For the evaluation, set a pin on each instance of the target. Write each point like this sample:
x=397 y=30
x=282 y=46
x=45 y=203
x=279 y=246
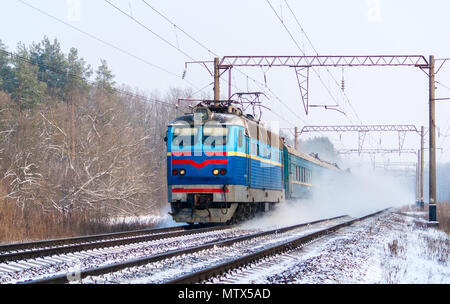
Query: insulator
x=342 y=84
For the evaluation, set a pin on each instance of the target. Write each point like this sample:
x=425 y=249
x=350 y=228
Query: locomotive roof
x=312 y=159
x=222 y=118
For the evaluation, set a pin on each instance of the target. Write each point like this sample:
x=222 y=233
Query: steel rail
x=87 y=238
x=96 y=271
x=96 y=243
x=217 y=270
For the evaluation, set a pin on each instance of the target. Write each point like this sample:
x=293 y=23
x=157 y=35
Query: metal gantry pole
x=418 y=193
x=432 y=172
x=422 y=174
x=417 y=183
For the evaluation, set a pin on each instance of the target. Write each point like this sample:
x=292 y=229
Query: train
x=224 y=166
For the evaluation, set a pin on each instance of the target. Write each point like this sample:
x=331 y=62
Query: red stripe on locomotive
x=198 y=191
x=200 y=165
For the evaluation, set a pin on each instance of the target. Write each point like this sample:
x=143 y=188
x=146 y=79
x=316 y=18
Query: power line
x=117 y=48
x=176 y=26
x=196 y=41
x=47 y=67
x=99 y=39
x=155 y=34
x=148 y=29
x=315 y=50
x=310 y=42
x=106 y=43
x=301 y=50
x=443 y=85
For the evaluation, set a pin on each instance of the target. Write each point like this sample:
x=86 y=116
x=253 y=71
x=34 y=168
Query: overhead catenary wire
x=153 y=32
x=300 y=49
x=200 y=44
x=317 y=53
x=183 y=31
x=118 y=49
x=150 y=30
x=88 y=81
x=106 y=43
x=206 y=48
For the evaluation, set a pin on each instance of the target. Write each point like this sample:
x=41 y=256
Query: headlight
x=216 y=171
x=182 y=172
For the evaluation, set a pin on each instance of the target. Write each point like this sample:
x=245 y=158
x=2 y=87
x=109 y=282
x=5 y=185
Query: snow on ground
x=392 y=248
x=158 y=221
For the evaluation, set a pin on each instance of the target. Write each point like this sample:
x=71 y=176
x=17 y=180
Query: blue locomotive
x=224 y=166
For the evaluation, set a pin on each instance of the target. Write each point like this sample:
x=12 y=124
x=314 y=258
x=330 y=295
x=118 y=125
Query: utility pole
x=432 y=174
x=216 y=81
x=418 y=184
x=422 y=174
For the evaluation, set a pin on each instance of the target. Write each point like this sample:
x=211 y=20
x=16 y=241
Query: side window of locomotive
x=215 y=136
x=184 y=136
x=240 y=139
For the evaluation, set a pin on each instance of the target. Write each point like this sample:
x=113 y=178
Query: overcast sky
x=374 y=95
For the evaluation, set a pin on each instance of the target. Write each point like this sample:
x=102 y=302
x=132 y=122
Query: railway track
x=175 y=260
x=23 y=251
x=189 y=259
x=242 y=262
x=35 y=263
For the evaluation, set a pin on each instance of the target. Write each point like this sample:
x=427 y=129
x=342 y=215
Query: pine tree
x=104 y=78
x=5 y=67
x=52 y=65
x=27 y=90
x=78 y=72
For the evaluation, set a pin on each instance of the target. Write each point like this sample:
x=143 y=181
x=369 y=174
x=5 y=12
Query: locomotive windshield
x=185 y=136
x=215 y=136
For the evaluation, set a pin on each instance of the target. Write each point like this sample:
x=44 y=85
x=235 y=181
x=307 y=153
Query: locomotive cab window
x=215 y=136
x=184 y=136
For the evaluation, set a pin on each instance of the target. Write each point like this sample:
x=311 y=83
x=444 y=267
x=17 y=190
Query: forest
x=76 y=149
